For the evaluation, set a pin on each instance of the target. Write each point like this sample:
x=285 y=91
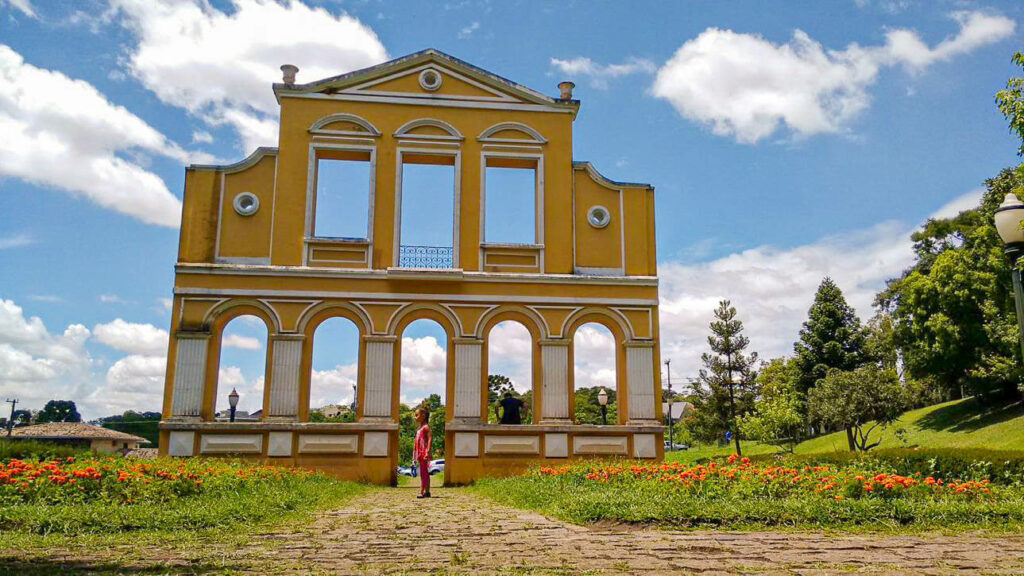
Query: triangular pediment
x=430 y=74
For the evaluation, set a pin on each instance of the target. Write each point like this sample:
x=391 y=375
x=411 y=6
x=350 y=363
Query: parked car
x=671 y=446
x=407 y=471
x=436 y=466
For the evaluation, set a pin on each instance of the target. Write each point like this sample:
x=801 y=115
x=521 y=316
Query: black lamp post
x=233 y=402
x=602 y=399
x=1008 y=221
x=671 y=431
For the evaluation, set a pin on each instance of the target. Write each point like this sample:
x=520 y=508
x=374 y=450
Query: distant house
x=95 y=438
x=240 y=415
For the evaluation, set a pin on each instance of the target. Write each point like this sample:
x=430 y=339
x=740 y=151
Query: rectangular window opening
x=428 y=211
x=511 y=199
x=342 y=204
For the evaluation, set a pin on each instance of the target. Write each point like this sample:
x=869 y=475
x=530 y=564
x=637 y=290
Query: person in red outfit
x=421 y=449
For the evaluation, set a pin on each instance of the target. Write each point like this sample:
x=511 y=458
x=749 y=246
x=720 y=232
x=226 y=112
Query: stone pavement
x=458 y=532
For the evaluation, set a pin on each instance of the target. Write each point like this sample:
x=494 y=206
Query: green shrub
x=997 y=466
x=34 y=450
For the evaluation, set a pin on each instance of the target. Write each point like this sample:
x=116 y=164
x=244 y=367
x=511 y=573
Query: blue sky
x=785 y=141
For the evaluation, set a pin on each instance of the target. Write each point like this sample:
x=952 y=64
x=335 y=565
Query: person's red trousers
x=424 y=475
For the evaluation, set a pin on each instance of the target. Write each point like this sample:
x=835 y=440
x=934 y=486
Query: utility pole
x=10 y=421
x=671 y=428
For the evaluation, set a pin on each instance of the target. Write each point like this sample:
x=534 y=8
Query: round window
x=246 y=203
x=430 y=80
x=598 y=216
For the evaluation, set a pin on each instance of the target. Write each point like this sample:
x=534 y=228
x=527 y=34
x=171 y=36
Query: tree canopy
x=831 y=338
x=59 y=411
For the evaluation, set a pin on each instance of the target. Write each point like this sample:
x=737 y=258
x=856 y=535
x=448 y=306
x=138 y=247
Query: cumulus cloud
x=509 y=352
x=334 y=386
x=219 y=65
x=142 y=339
x=600 y=74
x=63 y=133
x=772 y=288
x=746 y=87
x=423 y=368
x=35 y=365
x=135 y=382
x=241 y=342
x=467 y=31
x=250 y=392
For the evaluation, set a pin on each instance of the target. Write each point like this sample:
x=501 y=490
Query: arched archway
x=423 y=360
x=509 y=367
x=597 y=326
x=334 y=370
x=593 y=355
x=242 y=352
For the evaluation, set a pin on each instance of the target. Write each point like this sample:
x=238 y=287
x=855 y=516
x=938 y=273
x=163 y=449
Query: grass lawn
x=956 y=424
x=122 y=509
x=960 y=424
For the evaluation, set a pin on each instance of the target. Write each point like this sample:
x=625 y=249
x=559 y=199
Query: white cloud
x=63 y=133
x=746 y=87
x=112 y=299
x=37 y=366
x=23 y=6
x=423 y=368
x=241 y=342
x=593 y=357
x=16 y=241
x=773 y=288
x=250 y=392
x=201 y=137
x=600 y=74
x=135 y=382
x=332 y=386
x=509 y=353
x=219 y=66
x=467 y=31
x=140 y=339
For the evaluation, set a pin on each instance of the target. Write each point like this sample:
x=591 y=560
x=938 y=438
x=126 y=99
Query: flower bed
x=93 y=494
x=743 y=477
x=740 y=493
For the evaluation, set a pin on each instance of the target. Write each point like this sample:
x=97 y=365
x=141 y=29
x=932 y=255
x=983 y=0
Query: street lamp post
x=233 y=402
x=671 y=435
x=602 y=399
x=1008 y=223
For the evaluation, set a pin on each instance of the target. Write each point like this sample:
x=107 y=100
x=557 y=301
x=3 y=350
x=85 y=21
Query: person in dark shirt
x=512 y=409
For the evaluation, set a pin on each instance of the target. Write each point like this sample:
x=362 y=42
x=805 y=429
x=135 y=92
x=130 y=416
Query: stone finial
x=566 y=88
x=289 y=71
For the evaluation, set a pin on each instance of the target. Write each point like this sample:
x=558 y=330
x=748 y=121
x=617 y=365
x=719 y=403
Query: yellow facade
x=593 y=260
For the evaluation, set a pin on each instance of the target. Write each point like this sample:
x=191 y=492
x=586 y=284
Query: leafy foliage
x=59 y=411
x=777 y=416
x=851 y=400
x=588 y=409
x=725 y=388
x=831 y=338
x=953 y=310
x=1011 y=102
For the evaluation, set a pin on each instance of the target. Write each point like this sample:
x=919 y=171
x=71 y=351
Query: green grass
x=959 y=424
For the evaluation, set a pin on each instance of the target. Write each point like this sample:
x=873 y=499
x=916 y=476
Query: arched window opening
x=594 y=370
x=509 y=369
x=243 y=366
x=423 y=381
x=335 y=371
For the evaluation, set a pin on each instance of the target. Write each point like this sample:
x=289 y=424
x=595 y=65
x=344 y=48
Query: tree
x=588 y=409
x=777 y=414
x=59 y=411
x=497 y=385
x=725 y=387
x=953 y=310
x=831 y=338
x=1011 y=102
x=852 y=399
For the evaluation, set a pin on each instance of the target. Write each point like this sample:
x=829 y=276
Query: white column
x=285 y=377
x=554 y=357
x=189 y=374
x=380 y=354
x=640 y=375
x=467 y=378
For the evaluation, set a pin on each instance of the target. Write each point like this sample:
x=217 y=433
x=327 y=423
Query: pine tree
x=832 y=337
x=725 y=388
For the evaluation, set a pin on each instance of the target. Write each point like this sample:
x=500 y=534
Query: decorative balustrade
x=435 y=257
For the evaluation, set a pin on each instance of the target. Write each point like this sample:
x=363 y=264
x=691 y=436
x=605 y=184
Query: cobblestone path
x=457 y=532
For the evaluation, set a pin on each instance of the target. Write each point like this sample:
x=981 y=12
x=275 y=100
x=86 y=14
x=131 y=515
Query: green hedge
x=33 y=450
x=999 y=466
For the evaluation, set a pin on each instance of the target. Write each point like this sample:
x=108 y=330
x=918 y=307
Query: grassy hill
x=956 y=424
